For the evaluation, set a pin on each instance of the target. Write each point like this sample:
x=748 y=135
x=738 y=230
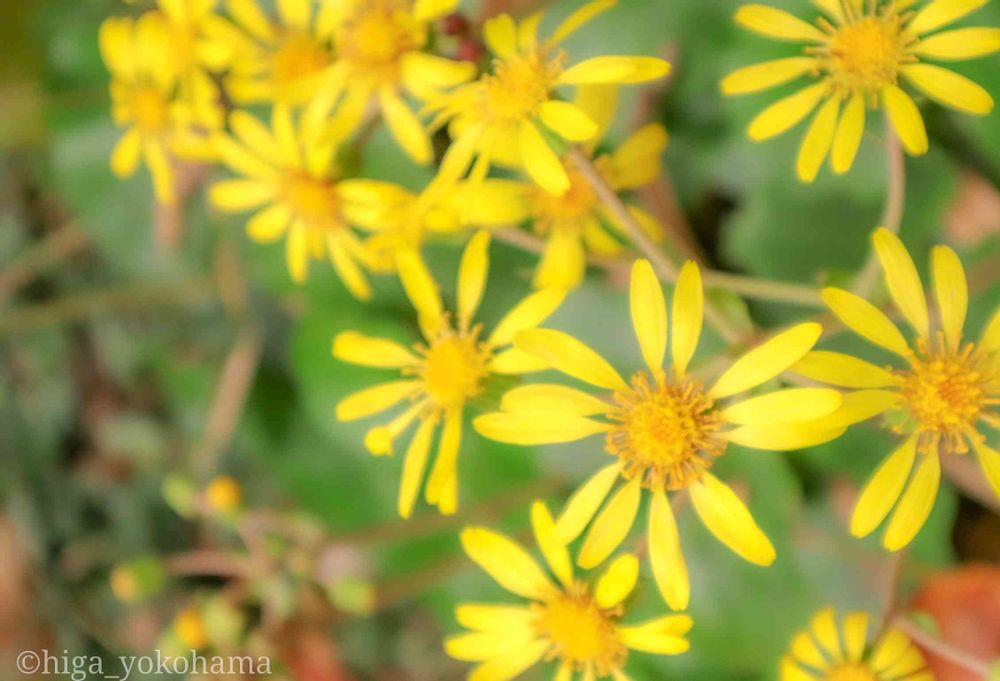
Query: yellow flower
x=497 y=117
x=822 y=653
x=143 y=87
x=571 y=621
x=938 y=401
x=284 y=59
x=292 y=177
x=190 y=629
x=223 y=494
x=445 y=373
x=665 y=429
x=858 y=54
x=381 y=50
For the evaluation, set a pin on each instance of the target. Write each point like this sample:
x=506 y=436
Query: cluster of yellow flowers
x=331 y=69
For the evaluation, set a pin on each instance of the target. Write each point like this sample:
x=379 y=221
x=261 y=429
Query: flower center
x=377 y=36
x=667 y=432
x=865 y=56
x=946 y=393
x=313 y=201
x=150 y=108
x=851 y=672
x=520 y=85
x=569 y=209
x=455 y=368
x=298 y=57
x=582 y=634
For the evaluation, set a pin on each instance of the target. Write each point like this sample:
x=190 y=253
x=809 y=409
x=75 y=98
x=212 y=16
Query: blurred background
x=172 y=473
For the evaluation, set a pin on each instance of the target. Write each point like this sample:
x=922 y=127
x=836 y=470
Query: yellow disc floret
x=865 y=56
x=299 y=56
x=455 y=367
x=313 y=201
x=666 y=432
x=374 y=39
x=150 y=109
x=583 y=635
x=520 y=85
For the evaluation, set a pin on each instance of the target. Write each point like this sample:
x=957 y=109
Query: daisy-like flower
x=381 y=51
x=857 y=54
x=139 y=54
x=284 y=59
x=939 y=400
x=571 y=621
x=664 y=428
x=825 y=652
x=291 y=176
x=501 y=116
x=440 y=376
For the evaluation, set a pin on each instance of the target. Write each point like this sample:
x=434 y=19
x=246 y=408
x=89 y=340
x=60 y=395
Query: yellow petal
x=442 y=485
x=564 y=262
x=765 y=75
x=784 y=437
x=552 y=546
x=649 y=314
x=902 y=279
x=615 y=69
x=989 y=461
x=915 y=506
x=580 y=17
x=889 y=649
x=420 y=287
x=665 y=555
x=617 y=582
x=540 y=162
x=506 y=562
x=510 y=665
x=768 y=360
x=567 y=120
x=855 y=634
x=375 y=399
x=858 y=406
x=786 y=112
x=514 y=362
x=240 y=195
x=793 y=672
x=250 y=16
x=847 y=139
x=500 y=34
x=570 y=356
x=472 y=276
x=242 y=161
x=487 y=617
x=269 y=224
x=960 y=44
x=940 y=13
x=783 y=406
x=527 y=314
x=805 y=650
x=638 y=160
x=906 y=120
x=405 y=127
x=297 y=253
x=414 y=464
x=687 y=315
x=611 y=526
x=990 y=340
x=865 y=319
x=295 y=13
x=125 y=157
x=356 y=348
x=824 y=628
x=379 y=440
x=661 y=636
x=428 y=10
x=777 y=23
x=949 y=88
x=843 y=370
x=541 y=397
x=487 y=645
x=582 y=506
x=729 y=520
x=818 y=139
x=882 y=490
x=952 y=293
x=536 y=428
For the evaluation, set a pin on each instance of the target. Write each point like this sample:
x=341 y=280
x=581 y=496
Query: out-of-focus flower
x=190 y=629
x=442 y=375
x=573 y=622
x=137 y=579
x=381 y=49
x=285 y=59
x=824 y=653
x=665 y=428
x=940 y=401
x=508 y=115
x=291 y=175
x=139 y=55
x=223 y=495
x=857 y=53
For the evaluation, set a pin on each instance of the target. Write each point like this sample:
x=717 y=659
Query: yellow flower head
x=443 y=374
x=857 y=53
x=284 y=59
x=946 y=390
x=497 y=117
x=825 y=653
x=664 y=428
x=291 y=176
x=573 y=622
x=190 y=628
x=381 y=51
x=143 y=87
x=223 y=494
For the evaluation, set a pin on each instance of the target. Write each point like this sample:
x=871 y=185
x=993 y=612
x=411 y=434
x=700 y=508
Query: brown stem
x=892 y=213
x=57 y=246
x=208 y=562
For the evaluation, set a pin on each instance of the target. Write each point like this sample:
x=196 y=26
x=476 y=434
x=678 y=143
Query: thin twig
x=209 y=563
x=943 y=649
x=54 y=248
x=892 y=213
